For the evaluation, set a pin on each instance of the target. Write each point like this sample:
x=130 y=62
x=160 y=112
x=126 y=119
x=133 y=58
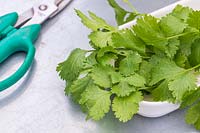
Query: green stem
x=192 y=68
x=182 y=34
x=187 y=70
x=131 y=6
x=90 y=50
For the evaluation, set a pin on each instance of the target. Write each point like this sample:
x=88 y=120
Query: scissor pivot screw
x=43 y=7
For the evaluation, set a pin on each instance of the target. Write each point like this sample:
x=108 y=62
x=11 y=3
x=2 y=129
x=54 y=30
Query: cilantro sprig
x=156 y=56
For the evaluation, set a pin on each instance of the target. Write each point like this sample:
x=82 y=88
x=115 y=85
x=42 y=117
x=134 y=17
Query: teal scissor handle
x=16 y=40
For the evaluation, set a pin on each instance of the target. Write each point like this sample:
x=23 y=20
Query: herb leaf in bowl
x=156 y=56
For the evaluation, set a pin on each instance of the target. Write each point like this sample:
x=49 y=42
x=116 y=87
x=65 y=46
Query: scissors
x=18 y=33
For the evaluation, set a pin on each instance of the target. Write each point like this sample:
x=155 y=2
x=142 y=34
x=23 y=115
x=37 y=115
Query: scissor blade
x=24 y=17
x=41 y=12
x=61 y=4
x=57 y=2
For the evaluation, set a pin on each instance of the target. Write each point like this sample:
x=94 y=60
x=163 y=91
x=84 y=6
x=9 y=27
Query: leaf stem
x=182 y=34
x=131 y=6
x=192 y=68
x=187 y=70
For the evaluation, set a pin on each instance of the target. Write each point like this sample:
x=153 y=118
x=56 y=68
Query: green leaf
x=162 y=93
x=194 y=20
x=115 y=77
x=145 y=70
x=122 y=16
x=172 y=47
x=165 y=69
x=191 y=34
x=78 y=87
x=128 y=85
x=97 y=101
x=148 y=29
x=190 y=98
x=136 y=80
x=186 y=41
x=126 y=107
x=68 y=87
x=194 y=58
x=90 y=60
x=180 y=59
x=100 y=39
x=130 y=64
x=70 y=69
x=181 y=12
x=101 y=75
x=123 y=89
x=101 y=21
x=94 y=23
x=193 y=116
x=127 y=39
x=107 y=59
x=179 y=80
x=183 y=83
x=171 y=25
x=106 y=50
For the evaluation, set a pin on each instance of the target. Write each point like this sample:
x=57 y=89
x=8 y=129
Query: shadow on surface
x=19 y=90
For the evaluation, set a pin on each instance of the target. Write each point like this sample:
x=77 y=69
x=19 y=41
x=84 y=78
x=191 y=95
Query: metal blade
x=61 y=4
x=24 y=17
x=41 y=12
x=57 y=2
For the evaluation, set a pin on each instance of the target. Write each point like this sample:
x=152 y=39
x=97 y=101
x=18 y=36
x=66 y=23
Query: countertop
x=37 y=103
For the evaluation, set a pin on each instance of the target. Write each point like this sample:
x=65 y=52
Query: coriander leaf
x=78 y=87
x=194 y=58
x=115 y=77
x=90 y=60
x=194 y=20
x=181 y=12
x=70 y=69
x=126 y=107
x=122 y=16
x=101 y=21
x=107 y=59
x=97 y=101
x=165 y=69
x=123 y=89
x=190 y=98
x=127 y=85
x=136 y=80
x=148 y=30
x=186 y=41
x=88 y=22
x=183 y=83
x=94 y=23
x=127 y=39
x=104 y=50
x=193 y=116
x=100 y=39
x=130 y=64
x=101 y=75
x=162 y=93
x=67 y=87
x=145 y=70
x=172 y=47
x=171 y=25
x=180 y=59
x=191 y=34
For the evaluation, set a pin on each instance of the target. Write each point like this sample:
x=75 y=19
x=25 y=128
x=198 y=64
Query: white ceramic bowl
x=157 y=109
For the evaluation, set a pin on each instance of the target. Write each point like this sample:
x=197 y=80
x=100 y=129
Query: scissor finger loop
x=15 y=39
